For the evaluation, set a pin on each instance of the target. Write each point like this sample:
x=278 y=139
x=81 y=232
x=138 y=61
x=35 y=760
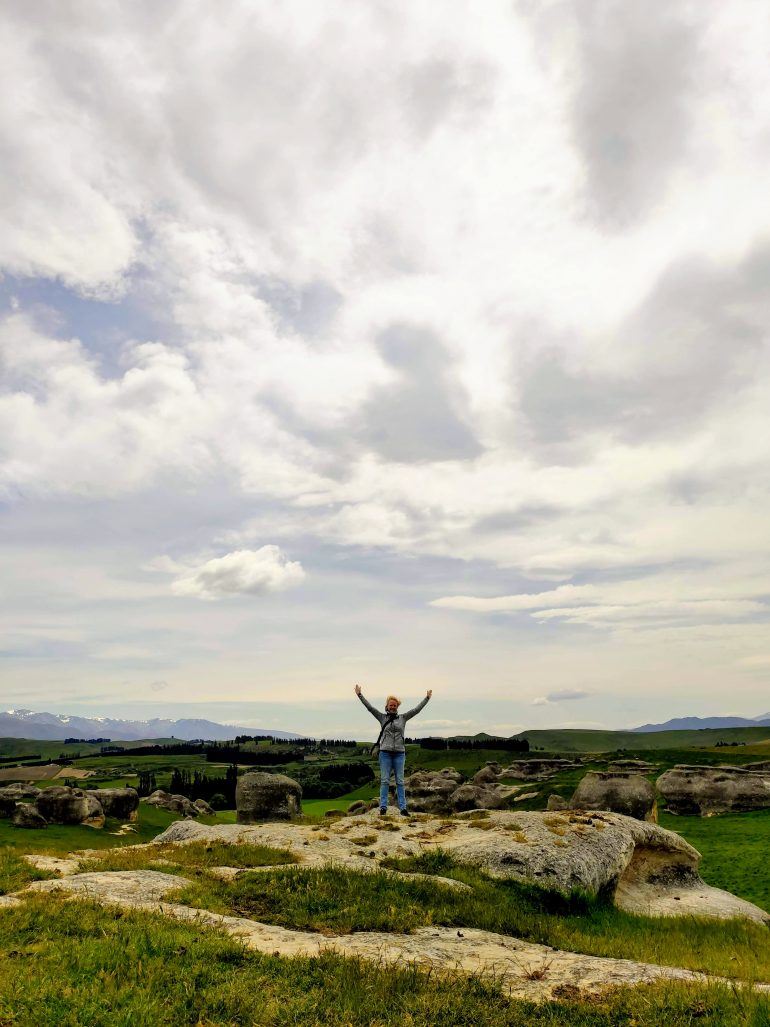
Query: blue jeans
x=392 y=762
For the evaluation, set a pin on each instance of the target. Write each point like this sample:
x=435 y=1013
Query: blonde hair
x=395 y=699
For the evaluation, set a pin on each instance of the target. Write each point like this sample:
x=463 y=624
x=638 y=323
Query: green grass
x=580 y=740
x=314 y=808
x=334 y=900
x=60 y=839
x=15 y=872
x=735 y=849
x=66 y=964
x=193 y=854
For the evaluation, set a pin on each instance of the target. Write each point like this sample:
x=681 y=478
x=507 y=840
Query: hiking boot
x=383 y=811
x=405 y=812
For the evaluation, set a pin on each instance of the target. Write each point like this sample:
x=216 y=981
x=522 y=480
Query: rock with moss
x=119 y=803
x=260 y=796
x=626 y=793
x=7 y=805
x=488 y=775
x=556 y=802
x=538 y=769
x=20 y=790
x=172 y=802
x=26 y=815
x=475 y=796
x=428 y=791
x=63 y=805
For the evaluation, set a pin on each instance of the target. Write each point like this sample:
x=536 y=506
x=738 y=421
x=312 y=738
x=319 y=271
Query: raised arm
x=418 y=707
x=375 y=713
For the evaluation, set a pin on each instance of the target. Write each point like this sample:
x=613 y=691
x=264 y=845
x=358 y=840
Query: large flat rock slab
x=116 y=885
x=524 y=969
x=639 y=864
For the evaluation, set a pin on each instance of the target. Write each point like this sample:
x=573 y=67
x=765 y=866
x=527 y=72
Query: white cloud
x=530 y=601
x=387 y=318
x=561 y=695
x=243 y=572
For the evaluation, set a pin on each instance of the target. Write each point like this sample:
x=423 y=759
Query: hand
x=358 y=689
x=430 y=692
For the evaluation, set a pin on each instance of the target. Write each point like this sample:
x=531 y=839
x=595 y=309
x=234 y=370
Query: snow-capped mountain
x=54 y=726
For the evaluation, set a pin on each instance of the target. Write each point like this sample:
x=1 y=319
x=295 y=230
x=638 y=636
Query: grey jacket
x=393 y=736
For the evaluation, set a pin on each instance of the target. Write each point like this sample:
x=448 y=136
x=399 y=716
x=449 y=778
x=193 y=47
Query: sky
x=406 y=344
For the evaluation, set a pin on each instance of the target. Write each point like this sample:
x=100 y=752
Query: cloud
x=567 y=694
x=565 y=594
x=561 y=695
x=242 y=572
x=633 y=109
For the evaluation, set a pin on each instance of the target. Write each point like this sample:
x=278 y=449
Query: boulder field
x=642 y=867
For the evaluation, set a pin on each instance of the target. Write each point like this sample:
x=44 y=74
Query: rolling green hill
x=578 y=740
x=52 y=749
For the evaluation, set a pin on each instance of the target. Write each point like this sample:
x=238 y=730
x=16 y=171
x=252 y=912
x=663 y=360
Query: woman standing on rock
x=392 y=750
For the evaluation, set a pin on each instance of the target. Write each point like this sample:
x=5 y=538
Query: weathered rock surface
x=555 y=803
x=631 y=766
x=428 y=791
x=526 y=970
x=172 y=802
x=203 y=807
x=7 y=804
x=120 y=803
x=626 y=793
x=635 y=862
x=704 y=791
x=475 y=796
x=20 y=790
x=63 y=805
x=488 y=775
x=538 y=769
x=260 y=796
x=27 y=815
x=445 y=791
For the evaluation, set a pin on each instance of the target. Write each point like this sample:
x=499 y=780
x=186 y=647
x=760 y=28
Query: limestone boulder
x=538 y=769
x=488 y=775
x=475 y=796
x=631 y=767
x=7 y=805
x=63 y=805
x=640 y=866
x=27 y=815
x=627 y=793
x=20 y=790
x=172 y=802
x=705 y=791
x=203 y=807
x=556 y=802
x=119 y=803
x=260 y=796
x=428 y=791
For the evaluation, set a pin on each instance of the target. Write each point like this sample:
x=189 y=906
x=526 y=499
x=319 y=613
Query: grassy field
x=579 y=740
x=48 y=749
x=735 y=849
x=69 y=964
x=59 y=839
x=337 y=900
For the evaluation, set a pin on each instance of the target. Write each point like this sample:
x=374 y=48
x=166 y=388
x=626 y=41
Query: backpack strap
x=390 y=717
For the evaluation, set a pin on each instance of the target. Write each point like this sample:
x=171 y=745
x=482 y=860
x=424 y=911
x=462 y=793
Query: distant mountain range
x=695 y=723
x=55 y=727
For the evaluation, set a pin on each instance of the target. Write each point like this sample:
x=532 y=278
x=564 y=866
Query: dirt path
x=525 y=970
